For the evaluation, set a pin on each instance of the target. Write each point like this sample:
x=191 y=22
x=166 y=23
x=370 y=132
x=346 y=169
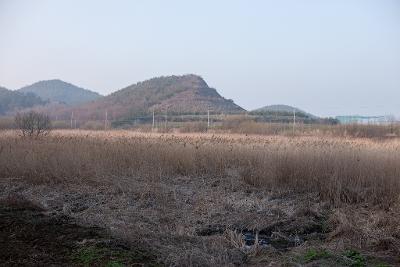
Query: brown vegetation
x=246 y=125
x=339 y=170
x=193 y=195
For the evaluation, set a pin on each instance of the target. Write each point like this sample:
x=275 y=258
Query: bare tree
x=33 y=124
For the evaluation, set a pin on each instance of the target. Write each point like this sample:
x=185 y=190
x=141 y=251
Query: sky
x=329 y=58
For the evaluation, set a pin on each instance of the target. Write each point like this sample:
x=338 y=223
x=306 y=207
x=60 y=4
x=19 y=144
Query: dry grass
x=243 y=125
x=163 y=189
x=339 y=170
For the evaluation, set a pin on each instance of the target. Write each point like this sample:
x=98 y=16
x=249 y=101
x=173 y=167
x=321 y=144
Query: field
x=213 y=199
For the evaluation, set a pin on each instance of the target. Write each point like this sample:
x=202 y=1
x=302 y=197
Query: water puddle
x=276 y=240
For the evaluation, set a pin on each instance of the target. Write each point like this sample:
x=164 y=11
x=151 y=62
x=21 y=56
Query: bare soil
x=28 y=237
x=228 y=225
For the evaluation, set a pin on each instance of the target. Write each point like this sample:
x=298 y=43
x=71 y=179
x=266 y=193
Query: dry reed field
x=219 y=199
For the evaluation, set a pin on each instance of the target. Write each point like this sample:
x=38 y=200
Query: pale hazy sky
x=326 y=57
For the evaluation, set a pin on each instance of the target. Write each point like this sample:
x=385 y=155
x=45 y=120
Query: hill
x=11 y=101
x=282 y=110
x=61 y=92
x=187 y=94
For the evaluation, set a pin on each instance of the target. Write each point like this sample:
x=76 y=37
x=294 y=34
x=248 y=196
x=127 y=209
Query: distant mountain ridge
x=60 y=92
x=13 y=101
x=186 y=94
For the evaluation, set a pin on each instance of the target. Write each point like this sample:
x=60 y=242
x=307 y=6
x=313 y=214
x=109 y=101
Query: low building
x=357 y=119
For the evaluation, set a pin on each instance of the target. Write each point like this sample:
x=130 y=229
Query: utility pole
x=152 y=127
x=106 y=121
x=294 y=119
x=208 y=118
x=72 y=119
x=166 y=118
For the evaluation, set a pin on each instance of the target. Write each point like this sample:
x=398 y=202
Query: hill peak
x=184 y=94
x=188 y=80
x=56 y=90
x=179 y=94
x=12 y=101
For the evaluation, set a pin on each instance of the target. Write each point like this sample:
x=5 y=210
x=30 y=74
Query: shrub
x=33 y=124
